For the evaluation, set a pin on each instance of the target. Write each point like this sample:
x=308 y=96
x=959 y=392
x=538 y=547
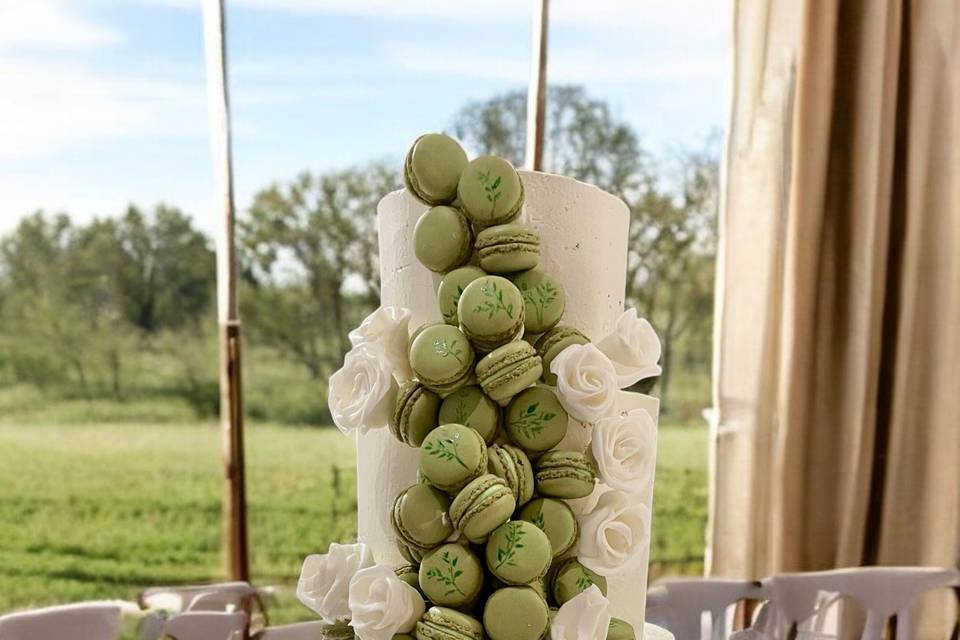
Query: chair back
x=678 y=604
x=207 y=625
x=88 y=620
x=299 y=631
x=223 y=596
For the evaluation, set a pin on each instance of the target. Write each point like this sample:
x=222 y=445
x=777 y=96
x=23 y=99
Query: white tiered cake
x=583 y=233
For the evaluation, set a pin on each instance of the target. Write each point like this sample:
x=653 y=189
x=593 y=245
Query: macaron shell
x=491 y=312
x=442 y=623
x=536 y=420
x=432 y=168
x=482 y=506
x=512 y=464
x=518 y=552
x=470 y=406
x=551 y=343
x=508 y=248
x=516 y=613
x=556 y=519
x=570 y=578
x=442 y=357
x=416 y=415
x=620 y=630
x=544 y=300
x=442 y=239
x=565 y=474
x=490 y=191
x=508 y=370
x=451 y=456
x=451 y=288
x=420 y=516
x=451 y=576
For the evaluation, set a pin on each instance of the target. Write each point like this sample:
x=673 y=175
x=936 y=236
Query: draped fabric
x=836 y=422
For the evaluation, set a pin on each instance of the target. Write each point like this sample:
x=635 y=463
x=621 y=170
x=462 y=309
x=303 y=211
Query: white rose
x=615 y=535
x=625 y=450
x=381 y=604
x=586 y=616
x=362 y=393
x=324 y=583
x=390 y=328
x=586 y=382
x=634 y=349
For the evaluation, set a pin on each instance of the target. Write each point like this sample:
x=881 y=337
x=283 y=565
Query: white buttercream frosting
x=362 y=393
x=634 y=349
x=381 y=604
x=615 y=534
x=324 y=583
x=625 y=450
x=390 y=328
x=586 y=382
x=586 y=616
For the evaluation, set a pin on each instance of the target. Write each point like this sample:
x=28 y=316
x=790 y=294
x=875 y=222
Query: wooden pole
x=537 y=93
x=228 y=315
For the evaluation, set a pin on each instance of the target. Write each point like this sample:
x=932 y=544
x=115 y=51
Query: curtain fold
x=836 y=423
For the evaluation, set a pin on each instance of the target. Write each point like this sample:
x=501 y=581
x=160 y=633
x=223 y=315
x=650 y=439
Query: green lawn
x=103 y=510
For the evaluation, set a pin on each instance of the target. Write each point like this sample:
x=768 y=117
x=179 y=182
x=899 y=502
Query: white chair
x=882 y=592
x=678 y=604
x=87 y=620
x=207 y=625
x=223 y=596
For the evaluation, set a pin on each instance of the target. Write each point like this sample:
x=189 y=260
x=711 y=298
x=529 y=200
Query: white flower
x=615 y=535
x=325 y=579
x=634 y=349
x=586 y=616
x=388 y=327
x=381 y=604
x=624 y=447
x=586 y=382
x=362 y=393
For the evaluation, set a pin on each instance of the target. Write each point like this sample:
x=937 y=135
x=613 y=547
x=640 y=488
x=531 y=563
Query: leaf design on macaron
x=446 y=350
x=445 y=449
x=507 y=555
x=448 y=578
x=532 y=421
x=493 y=303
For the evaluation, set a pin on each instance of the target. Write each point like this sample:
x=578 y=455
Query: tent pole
x=537 y=92
x=231 y=392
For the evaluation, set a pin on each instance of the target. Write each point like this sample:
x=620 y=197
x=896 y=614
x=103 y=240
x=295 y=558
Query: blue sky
x=103 y=100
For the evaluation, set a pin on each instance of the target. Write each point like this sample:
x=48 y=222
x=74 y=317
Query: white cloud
x=47 y=107
x=46 y=24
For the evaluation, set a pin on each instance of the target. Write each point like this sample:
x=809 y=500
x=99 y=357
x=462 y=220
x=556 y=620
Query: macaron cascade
x=488 y=530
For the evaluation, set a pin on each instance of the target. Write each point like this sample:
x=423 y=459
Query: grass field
x=103 y=510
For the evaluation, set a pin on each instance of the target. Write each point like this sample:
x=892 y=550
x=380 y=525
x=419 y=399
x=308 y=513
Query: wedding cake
x=504 y=295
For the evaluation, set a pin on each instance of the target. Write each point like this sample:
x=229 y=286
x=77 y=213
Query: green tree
x=309 y=250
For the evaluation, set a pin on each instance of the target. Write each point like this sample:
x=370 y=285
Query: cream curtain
x=836 y=422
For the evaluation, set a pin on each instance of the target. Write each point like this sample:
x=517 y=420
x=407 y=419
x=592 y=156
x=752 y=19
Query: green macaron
x=508 y=370
x=451 y=288
x=470 y=406
x=543 y=298
x=490 y=191
x=410 y=574
x=508 y=248
x=442 y=239
x=432 y=168
x=512 y=464
x=482 y=506
x=451 y=456
x=518 y=552
x=550 y=344
x=569 y=578
x=556 y=519
x=441 y=623
x=620 y=630
x=451 y=576
x=420 y=520
x=565 y=474
x=536 y=420
x=491 y=312
x=442 y=358
x=336 y=631
x=415 y=414
x=516 y=613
